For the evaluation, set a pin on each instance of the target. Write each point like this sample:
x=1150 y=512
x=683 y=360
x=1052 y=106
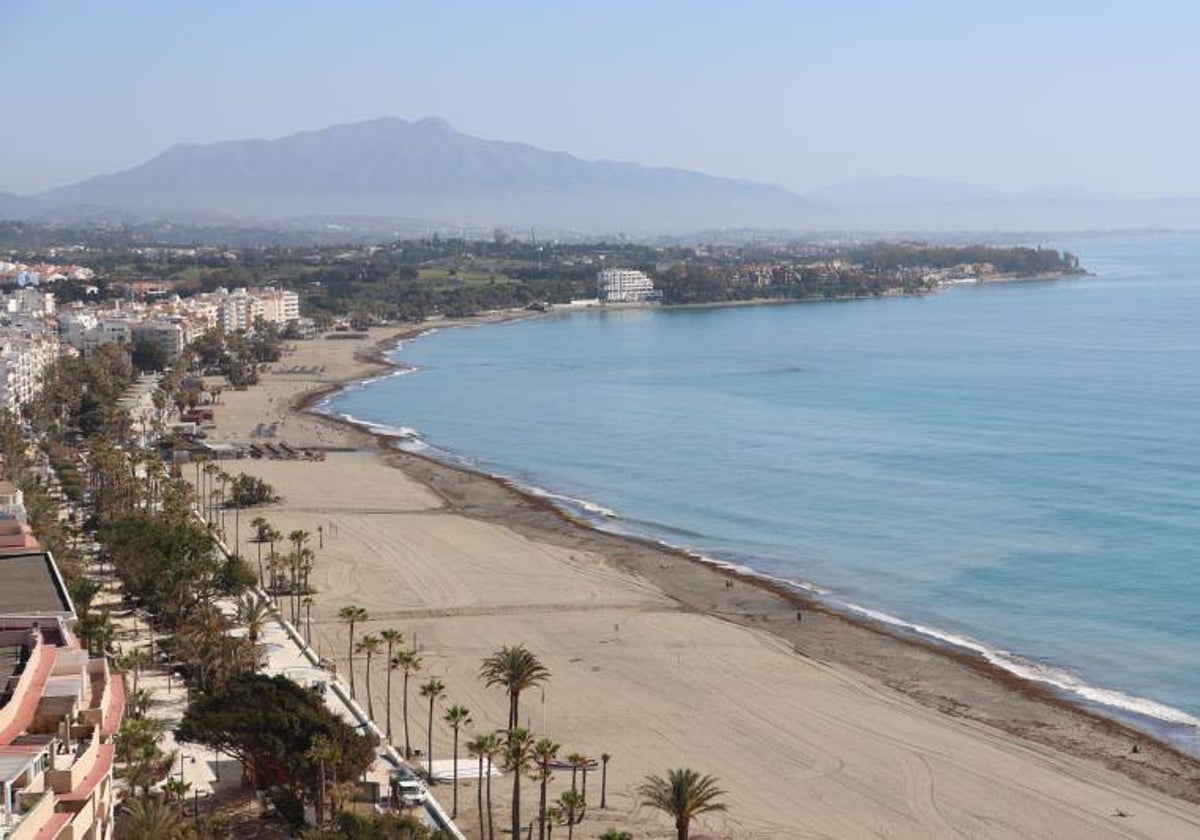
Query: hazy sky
x=1011 y=94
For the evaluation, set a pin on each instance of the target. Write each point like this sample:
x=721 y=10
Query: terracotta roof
x=114 y=705
x=53 y=826
x=104 y=762
x=32 y=696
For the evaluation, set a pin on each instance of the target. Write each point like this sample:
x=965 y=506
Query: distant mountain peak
x=391 y=167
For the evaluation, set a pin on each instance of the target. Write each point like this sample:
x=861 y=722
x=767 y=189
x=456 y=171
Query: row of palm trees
x=289 y=573
x=515 y=669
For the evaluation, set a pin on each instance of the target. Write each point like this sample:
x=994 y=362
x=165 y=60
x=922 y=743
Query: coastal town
x=150 y=421
x=156 y=300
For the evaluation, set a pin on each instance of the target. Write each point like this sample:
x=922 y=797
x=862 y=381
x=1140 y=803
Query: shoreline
x=918 y=667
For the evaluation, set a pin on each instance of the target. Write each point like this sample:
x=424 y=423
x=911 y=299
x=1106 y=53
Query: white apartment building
x=237 y=310
x=24 y=357
x=626 y=285
x=28 y=301
x=279 y=305
x=85 y=331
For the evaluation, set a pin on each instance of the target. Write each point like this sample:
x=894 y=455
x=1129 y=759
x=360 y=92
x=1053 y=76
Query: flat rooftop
x=32 y=585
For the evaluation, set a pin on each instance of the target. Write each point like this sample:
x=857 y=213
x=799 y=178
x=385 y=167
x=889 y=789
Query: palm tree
x=351 y=615
x=573 y=805
x=489 y=746
x=516 y=669
x=322 y=751
x=261 y=527
x=682 y=795
x=544 y=751
x=391 y=638
x=553 y=815
x=308 y=602
x=517 y=752
x=369 y=645
x=253 y=612
x=152 y=818
x=604 y=759
x=411 y=663
x=433 y=689
x=300 y=555
x=476 y=747
x=616 y=834
x=456 y=717
x=134 y=661
x=576 y=760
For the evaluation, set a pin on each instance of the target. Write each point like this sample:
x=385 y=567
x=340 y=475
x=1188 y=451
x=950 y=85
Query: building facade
x=626 y=285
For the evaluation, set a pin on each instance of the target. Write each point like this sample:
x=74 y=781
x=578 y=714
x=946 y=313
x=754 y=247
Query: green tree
x=133 y=662
x=352 y=615
x=573 y=807
x=369 y=646
x=682 y=795
x=410 y=663
x=517 y=754
x=254 y=612
x=392 y=638
x=544 y=751
x=152 y=818
x=516 y=669
x=477 y=747
x=456 y=717
x=432 y=690
x=270 y=724
x=148 y=356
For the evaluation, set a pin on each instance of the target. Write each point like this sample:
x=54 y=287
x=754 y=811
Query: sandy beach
x=820 y=727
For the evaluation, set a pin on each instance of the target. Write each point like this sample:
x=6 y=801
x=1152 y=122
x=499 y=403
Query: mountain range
x=390 y=172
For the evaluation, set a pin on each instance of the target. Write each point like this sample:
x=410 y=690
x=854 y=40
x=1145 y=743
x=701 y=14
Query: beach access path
x=657 y=662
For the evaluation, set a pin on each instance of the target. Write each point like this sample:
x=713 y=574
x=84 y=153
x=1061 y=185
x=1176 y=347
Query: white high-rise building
x=626 y=285
x=24 y=356
x=279 y=305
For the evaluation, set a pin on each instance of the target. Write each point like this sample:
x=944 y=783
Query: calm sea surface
x=1012 y=467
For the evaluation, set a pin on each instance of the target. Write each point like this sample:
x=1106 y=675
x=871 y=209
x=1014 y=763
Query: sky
x=1015 y=95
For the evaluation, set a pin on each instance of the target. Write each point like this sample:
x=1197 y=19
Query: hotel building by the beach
x=626 y=285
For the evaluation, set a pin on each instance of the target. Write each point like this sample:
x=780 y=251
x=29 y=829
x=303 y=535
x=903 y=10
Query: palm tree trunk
x=542 y=803
x=407 y=748
x=454 y=806
x=429 y=744
x=479 y=798
x=370 y=702
x=491 y=819
x=584 y=787
x=516 y=805
x=681 y=828
x=351 y=660
x=388 y=696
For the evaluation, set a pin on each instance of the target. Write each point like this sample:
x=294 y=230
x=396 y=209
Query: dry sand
x=818 y=728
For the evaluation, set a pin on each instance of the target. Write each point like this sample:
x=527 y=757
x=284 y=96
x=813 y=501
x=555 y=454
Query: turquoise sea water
x=1011 y=467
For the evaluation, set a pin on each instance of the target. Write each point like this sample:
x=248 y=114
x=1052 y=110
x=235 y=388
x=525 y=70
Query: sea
x=1010 y=468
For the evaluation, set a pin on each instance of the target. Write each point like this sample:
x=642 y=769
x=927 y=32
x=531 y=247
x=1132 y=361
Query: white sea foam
x=1058 y=678
x=571 y=503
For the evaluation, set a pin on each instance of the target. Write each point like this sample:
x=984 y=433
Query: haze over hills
x=391 y=171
